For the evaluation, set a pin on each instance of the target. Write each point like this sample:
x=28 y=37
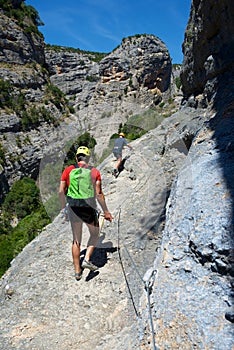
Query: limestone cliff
x=51 y=94
x=166 y=262
x=208 y=49
x=31 y=108
x=192 y=290
x=134 y=77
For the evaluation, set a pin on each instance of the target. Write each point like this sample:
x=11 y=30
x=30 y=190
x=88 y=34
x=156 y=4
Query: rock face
x=131 y=60
x=102 y=94
x=166 y=262
x=28 y=111
x=99 y=305
x=192 y=290
x=208 y=36
x=140 y=63
x=129 y=80
x=17 y=46
x=70 y=70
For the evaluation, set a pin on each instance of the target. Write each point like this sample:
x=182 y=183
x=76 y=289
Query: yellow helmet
x=121 y=134
x=83 y=150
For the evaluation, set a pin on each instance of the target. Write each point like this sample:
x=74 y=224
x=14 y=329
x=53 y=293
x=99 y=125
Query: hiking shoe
x=78 y=275
x=88 y=265
x=114 y=171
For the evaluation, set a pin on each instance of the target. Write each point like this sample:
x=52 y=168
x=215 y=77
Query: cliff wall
x=52 y=95
x=192 y=290
x=166 y=262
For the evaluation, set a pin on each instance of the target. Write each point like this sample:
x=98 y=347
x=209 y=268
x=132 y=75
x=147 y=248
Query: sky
x=100 y=25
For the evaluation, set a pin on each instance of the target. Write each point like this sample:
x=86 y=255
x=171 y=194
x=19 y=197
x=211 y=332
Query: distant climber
x=80 y=187
x=119 y=144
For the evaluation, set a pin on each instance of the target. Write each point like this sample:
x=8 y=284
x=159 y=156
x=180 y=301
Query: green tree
x=5 y=94
x=28 y=228
x=178 y=82
x=86 y=140
x=26 y=15
x=2 y=155
x=23 y=199
x=6 y=252
x=23 y=202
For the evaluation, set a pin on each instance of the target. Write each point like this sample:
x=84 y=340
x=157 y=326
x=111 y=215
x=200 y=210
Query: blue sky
x=100 y=25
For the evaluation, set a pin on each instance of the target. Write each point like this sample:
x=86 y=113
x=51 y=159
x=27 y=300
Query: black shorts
x=83 y=214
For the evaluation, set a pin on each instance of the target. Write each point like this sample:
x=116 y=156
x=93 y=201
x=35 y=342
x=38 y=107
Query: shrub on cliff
x=26 y=15
x=85 y=139
x=22 y=200
x=22 y=206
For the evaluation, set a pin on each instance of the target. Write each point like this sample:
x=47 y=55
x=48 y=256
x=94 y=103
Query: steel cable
x=147 y=284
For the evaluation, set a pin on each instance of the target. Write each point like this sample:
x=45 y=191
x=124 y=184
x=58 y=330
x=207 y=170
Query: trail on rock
x=53 y=309
x=48 y=308
x=44 y=307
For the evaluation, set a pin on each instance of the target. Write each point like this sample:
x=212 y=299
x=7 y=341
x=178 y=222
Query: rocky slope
x=208 y=35
x=129 y=80
x=98 y=312
x=192 y=292
x=58 y=93
x=166 y=264
x=30 y=108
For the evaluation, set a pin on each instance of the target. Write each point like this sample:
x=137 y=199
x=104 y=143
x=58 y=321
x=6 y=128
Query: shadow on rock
x=91 y=275
x=100 y=254
x=100 y=257
x=121 y=166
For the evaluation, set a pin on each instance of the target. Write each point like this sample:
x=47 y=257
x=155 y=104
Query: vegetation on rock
x=85 y=139
x=26 y=15
x=139 y=124
x=14 y=99
x=22 y=219
x=93 y=56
